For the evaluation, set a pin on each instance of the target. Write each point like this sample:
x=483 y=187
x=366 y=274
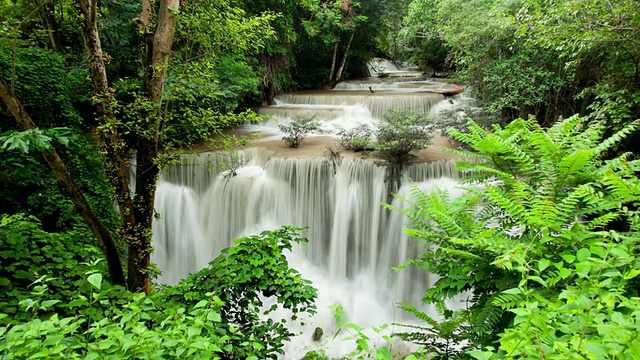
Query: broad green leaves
x=35 y=139
x=214 y=314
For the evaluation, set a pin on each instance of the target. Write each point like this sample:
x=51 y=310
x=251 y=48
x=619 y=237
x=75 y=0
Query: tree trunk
x=340 y=73
x=333 y=62
x=116 y=158
x=70 y=188
x=148 y=147
x=137 y=214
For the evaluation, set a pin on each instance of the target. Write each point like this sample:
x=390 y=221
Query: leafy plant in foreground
x=444 y=340
x=545 y=240
x=27 y=254
x=214 y=314
x=243 y=278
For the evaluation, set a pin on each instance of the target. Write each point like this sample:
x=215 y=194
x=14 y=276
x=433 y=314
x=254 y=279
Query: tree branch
x=70 y=188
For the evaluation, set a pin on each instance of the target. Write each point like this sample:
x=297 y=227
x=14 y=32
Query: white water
x=383 y=67
x=354 y=242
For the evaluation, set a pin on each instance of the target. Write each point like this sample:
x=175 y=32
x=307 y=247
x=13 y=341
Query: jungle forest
x=320 y=179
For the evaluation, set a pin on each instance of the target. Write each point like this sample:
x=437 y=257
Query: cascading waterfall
x=354 y=241
x=376 y=104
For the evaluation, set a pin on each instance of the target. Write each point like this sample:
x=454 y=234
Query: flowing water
x=354 y=241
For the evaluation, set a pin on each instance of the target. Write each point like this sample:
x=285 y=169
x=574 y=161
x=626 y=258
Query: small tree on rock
x=357 y=138
x=298 y=129
x=401 y=132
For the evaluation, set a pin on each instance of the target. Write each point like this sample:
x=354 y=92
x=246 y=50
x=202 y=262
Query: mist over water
x=353 y=241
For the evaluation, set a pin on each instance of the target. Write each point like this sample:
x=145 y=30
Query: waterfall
x=376 y=104
x=207 y=200
x=353 y=241
x=341 y=205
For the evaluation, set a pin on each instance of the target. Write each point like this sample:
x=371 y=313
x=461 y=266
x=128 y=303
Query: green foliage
x=246 y=277
x=212 y=314
x=28 y=254
x=401 y=132
x=212 y=68
x=545 y=240
x=365 y=348
x=34 y=139
x=31 y=188
x=446 y=339
x=41 y=83
x=595 y=41
x=138 y=327
x=357 y=138
x=424 y=45
x=298 y=129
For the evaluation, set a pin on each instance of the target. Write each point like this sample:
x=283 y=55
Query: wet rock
x=317 y=334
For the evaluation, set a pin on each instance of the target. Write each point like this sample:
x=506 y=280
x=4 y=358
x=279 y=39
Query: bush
x=401 y=132
x=298 y=129
x=547 y=247
x=243 y=277
x=357 y=138
x=214 y=313
x=27 y=254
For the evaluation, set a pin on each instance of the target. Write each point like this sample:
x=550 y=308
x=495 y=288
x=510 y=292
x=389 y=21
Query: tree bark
x=333 y=62
x=69 y=187
x=150 y=145
x=116 y=159
x=344 y=57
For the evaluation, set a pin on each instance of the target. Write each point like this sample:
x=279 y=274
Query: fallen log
x=445 y=92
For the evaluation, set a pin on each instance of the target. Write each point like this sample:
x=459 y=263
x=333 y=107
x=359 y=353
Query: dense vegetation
x=545 y=239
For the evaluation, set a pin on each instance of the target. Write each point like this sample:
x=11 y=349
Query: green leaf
x=583 y=254
x=214 y=316
x=481 y=355
x=95 y=280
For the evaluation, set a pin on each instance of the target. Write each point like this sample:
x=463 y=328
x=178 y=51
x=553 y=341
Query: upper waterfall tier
x=384 y=67
x=376 y=102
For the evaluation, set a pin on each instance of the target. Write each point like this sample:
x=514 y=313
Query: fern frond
x=602 y=221
x=506 y=202
x=544 y=213
x=571 y=166
x=418 y=314
x=569 y=204
x=562 y=130
x=506 y=299
x=622 y=189
x=487 y=319
x=614 y=139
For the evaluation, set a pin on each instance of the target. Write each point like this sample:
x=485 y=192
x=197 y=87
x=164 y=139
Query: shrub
x=547 y=247
x=215 y=313
x=357 y=138
x=27 y=254
x=298 y=129
x=401 y=132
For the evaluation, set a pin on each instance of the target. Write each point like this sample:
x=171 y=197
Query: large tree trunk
x=137 y=213
x=148 y=147
x=70 y=188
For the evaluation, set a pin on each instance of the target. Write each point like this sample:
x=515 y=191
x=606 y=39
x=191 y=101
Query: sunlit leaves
x=34 y=139
x=563 y=251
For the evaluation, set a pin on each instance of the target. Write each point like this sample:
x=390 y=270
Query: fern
x=536 y=215
x=608 y=143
